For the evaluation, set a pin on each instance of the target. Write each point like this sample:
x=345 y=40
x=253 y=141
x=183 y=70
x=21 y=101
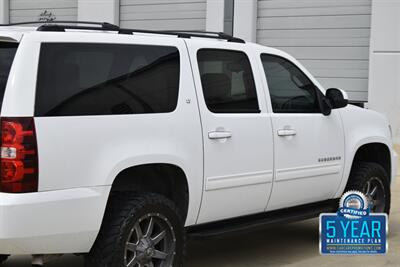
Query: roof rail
x=61 y=26
x=208 y=34
x=45 y=24
x=187 y=34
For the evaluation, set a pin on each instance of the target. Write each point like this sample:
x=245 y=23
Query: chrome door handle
x=219 y=135
x=287 y=132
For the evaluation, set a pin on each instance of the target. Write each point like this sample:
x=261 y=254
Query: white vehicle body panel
x=228 y=172
x=19 y=97
x=364 y=127
x=254 y=171
x=175 y=137
x=298 y=171
x=14 y=34
x=301 y=159
x=66 y=221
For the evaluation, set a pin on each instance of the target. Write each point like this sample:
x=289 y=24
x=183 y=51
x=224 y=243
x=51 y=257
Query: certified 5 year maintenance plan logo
x=353 y=229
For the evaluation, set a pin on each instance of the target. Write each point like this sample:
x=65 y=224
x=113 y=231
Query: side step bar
x=260 y=220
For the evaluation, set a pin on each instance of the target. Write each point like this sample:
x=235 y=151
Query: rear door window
x=78 y=79
x=227 y=81
x=7 y=54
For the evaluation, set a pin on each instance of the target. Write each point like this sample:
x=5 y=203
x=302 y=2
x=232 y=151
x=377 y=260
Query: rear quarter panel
x=89 y=151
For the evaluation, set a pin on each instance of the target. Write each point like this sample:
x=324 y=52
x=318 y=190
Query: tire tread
x=121 y=207
x=361 y=171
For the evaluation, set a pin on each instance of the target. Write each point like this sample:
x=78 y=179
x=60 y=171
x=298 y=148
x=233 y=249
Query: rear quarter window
x=78 y=79
x=7 y=54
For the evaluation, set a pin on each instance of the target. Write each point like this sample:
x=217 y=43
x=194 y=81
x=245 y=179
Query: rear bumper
x=62 y=221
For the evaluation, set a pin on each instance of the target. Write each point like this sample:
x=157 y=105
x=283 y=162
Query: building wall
x=331 y=38
x=4 y=12
x=384 y=81
x=33 y=10
x=163 y=14
x=99 y=10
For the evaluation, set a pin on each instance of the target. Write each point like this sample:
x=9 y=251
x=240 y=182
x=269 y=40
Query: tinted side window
x=227 y=81
x=290 y=89
x=7 y=53
x=103 y=79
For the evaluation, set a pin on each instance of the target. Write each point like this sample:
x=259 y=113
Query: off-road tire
x=362 y=172
x=123 y=211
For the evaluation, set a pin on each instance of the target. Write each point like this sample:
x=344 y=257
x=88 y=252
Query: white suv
x=118 y=143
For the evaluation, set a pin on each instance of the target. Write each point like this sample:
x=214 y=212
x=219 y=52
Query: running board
x=260 y=220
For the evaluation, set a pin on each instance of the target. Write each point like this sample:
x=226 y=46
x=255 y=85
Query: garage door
x=330 y=37
x=163 y=14
x=29 y=10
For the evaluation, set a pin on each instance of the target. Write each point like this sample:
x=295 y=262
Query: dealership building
x=349 y=44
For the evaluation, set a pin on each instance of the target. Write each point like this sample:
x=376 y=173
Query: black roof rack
x=104 y=25
x=61 y=26
x=209 y=34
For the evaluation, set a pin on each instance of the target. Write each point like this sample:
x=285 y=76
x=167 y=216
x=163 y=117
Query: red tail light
x=19 y=158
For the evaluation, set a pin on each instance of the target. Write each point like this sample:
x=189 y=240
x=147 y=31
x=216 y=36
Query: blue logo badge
x=353 y=229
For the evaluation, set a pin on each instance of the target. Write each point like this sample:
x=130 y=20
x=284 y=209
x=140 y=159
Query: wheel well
x=164 y=179
x=374 y=152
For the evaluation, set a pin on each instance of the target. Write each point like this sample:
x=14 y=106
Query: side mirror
x=337 y=97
